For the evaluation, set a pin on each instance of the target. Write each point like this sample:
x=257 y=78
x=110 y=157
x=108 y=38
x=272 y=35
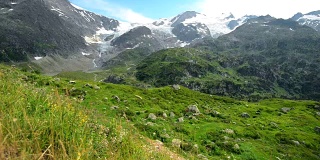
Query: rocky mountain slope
x=311 y=19
x=266 y=57
x=50 y=33
x=59 y=36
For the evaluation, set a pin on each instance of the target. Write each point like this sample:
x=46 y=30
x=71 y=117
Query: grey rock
x=72 y=82
x=228 y=131
x=318 y=113
x=165 y=135
x=116 y=98
x=88 y=85
x=96 y=87
x=152 y=116
x=195 y=147
x=164 y=115
x=193 y=109
x=176 y=87
x=149 y=124
x=181 y=119
x=176 y=143
x=245 y=115
x=236 y=147
x=285 y=109
x=296 y=142
x=172 y=115
x=114 y=107
x=317 y=107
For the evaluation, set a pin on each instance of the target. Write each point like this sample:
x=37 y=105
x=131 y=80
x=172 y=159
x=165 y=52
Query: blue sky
x=145 y=11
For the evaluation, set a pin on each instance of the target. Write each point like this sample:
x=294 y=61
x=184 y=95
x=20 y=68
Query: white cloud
x=276 y=8
x=109 y=9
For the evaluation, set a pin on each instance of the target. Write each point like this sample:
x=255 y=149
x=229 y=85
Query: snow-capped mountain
x=311 y=19
x=178 y=31
x=217 y=26
x=50 y=33
x=58 y=35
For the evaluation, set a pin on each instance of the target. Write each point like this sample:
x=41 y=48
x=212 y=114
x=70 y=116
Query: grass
x=39 y=121
x=55 y=119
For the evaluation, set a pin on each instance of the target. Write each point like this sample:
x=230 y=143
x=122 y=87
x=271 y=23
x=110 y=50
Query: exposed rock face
x=310 y=19
x=190 y=32
x=137 y=37
x=182 y=17
x=51 y=30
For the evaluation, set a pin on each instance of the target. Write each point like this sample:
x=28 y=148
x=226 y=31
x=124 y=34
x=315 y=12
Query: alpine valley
x=78 y=85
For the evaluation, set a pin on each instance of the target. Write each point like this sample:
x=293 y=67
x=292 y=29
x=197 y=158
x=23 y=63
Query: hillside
x=65 y=119
x=264 y=58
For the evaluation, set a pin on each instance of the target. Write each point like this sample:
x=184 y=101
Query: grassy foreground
x=39 y=121
x=52 y=118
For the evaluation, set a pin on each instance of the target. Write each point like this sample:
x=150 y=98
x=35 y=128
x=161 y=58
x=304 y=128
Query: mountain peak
x=184 y=16
x=297 y=16
x=315 y=13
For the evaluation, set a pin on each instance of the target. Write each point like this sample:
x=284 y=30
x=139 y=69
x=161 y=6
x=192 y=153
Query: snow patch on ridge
x=38 y=58
x=77 y=7
x=85 y=54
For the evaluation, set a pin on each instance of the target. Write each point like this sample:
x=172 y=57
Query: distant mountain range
x=58 y=36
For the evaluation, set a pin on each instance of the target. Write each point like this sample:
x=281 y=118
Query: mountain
x=50 y=33
x=311 y=19
x=182 y=30
x=263 y=58
x=59 y=36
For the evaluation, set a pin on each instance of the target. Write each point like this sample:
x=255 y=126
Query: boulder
x=296 y=142
x=285 y=109
x=236 y=147
x=176 y=143
x=318 y=113
x=72 y=82
x=164 y=115
x=176 y=87
x=88 y=85
x=181 y=119
x=245 y=115
x=96 y=87
x=228 y=131
x=172 y=115
x=114 y=107
x=152 y=116
x=116 y=98
x=193 y=109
